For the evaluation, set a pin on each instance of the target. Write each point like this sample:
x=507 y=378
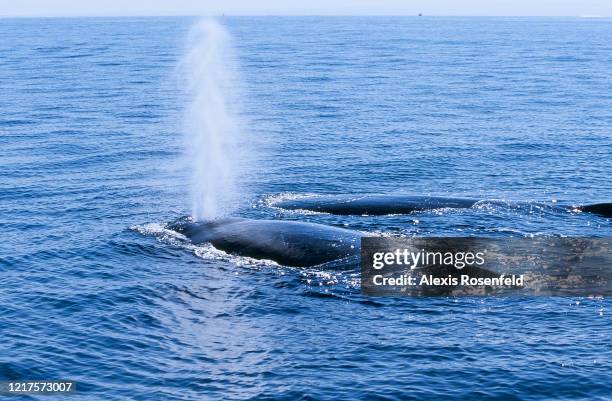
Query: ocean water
x=93 y=288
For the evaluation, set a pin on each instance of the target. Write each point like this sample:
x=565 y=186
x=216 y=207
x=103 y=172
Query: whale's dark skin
x=289 y=243
x=375 y=205
x=602 y=209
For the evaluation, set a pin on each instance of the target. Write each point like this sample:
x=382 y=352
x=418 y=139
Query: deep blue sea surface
x=93 y=288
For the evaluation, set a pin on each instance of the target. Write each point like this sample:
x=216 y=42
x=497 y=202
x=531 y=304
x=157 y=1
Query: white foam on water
x=209 y=252
x=203 y=251
x=160 y=232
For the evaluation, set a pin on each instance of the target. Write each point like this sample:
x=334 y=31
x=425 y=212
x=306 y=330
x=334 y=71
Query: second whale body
x=376 y=205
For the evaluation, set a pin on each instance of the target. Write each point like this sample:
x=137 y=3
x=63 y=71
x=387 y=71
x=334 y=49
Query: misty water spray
x=212 y=121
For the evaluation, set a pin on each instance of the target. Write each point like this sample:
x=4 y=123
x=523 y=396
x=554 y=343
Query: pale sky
x=51 y=8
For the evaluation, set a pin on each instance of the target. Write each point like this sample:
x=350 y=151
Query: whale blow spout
x=212 y=125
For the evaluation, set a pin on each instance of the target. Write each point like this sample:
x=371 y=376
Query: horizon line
x=417 y=15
